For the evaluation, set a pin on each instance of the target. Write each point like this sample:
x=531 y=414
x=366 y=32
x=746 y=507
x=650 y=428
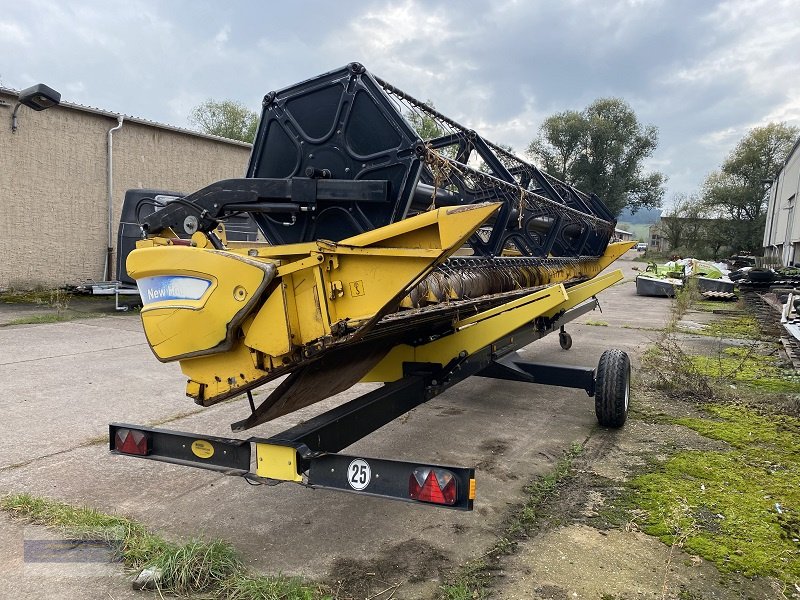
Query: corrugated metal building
x=782 y=231
x=54 y=184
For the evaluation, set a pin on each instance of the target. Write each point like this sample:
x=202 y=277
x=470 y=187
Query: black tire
x=612 y=388
x=565 y=340
x=737 y=275
x=761 y=275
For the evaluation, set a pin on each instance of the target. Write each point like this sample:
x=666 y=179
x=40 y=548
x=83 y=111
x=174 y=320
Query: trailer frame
x=309 y=453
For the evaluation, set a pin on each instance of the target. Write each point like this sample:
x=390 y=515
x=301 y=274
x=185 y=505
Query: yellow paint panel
x=219 y=375
x=178 y=329
x=308 y=302
x=470 y=334
x=441 y=228
x=277 y=462
x=583 y=291
x=269 y=333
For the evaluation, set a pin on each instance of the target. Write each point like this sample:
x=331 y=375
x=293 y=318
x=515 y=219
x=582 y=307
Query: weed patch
x=675 y=373
x=742 y=327
x=739 y=327
x=716 y=306
x=58 y=299
x=749 y=367
x=47 y=318
x=212 y=568
x=596 y=323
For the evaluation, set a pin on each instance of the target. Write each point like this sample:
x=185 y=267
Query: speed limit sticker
x=358 y=474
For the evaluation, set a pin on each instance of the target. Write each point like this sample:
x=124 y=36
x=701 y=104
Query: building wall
x=53 y=186
x=656 y=241
x=782 y=232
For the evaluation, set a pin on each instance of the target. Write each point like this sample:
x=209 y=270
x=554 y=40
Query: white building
x=623 y=235
x=782 y=232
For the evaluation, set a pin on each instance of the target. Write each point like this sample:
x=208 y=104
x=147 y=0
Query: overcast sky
x=702 y=72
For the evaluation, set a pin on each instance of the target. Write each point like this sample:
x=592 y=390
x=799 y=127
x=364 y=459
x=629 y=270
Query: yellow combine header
x=386 y=257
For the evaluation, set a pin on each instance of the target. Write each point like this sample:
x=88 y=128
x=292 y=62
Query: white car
x=641 y=246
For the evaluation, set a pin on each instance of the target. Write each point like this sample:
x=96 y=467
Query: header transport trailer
x=389 y=257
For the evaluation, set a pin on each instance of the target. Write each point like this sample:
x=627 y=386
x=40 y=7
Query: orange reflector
x=130 y=441
x=471 y=489
x=437 y=486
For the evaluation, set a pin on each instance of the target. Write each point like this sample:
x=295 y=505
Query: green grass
x=473 y=580
x=733 y=327
x=748 y=367
x=38 y=296
x=712 y=305
x=739 y=508
x=596 y=323
x=211 y=568
x=56 y=317
x=40 y=319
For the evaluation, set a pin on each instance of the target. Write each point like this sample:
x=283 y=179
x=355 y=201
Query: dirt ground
x=584 y=548
x=578 y=554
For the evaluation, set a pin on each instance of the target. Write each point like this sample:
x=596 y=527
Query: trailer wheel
x=565 y=340
x=612 y=388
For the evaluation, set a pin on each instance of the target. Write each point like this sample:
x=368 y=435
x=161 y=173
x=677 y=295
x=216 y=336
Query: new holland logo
x=171 y=287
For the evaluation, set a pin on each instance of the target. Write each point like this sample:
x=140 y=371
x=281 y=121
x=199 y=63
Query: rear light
x=131 y=441
x=437 y=486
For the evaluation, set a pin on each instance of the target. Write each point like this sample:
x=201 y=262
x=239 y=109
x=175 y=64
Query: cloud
x=703 y=73
x=13 y=33
x=222 y=35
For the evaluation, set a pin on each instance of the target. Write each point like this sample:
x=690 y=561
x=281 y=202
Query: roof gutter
x=107 y=273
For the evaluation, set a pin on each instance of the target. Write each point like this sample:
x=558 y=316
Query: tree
x=428 y=128
x=680 y=224
x=602 y=150
x=562 y=140
x=425 y=125
x=484 y=168
x=228 y=119
x=738 y=190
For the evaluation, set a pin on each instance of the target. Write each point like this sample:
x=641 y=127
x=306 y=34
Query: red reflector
x=130 y=441
x=432 y=485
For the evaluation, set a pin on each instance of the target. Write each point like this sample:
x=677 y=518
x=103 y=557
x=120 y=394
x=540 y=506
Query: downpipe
x=110 y=175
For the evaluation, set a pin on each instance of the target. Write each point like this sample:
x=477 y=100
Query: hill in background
x=641 y=217
x=639 y=223
x=640 y=231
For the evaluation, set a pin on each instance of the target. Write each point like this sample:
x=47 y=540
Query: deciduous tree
x=228 y=119
x=602 y=149
x=737 y=191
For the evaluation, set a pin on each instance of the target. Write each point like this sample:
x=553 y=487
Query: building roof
x=138 y=120
x=622 y=231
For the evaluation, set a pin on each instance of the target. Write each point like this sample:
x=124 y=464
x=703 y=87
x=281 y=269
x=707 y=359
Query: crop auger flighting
x=389 y=257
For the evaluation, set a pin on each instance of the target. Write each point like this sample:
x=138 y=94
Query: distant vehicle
x=641 y=246
x=137 y=205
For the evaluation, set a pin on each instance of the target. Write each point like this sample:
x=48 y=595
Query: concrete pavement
x=63 y=382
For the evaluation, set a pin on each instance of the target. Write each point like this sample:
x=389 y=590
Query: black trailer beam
x=344 y=425
x=513 y=368
x=389 y=478
x=227 y=455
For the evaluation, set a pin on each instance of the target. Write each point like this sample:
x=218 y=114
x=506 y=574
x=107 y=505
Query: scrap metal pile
x=386 y=224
